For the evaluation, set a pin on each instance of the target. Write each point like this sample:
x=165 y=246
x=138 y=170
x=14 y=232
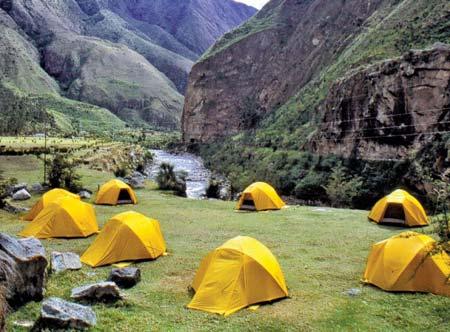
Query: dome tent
x=67 y=217
x=409 y=262
x=239 y=273
x=126 y=236
x=260 y=196
x=47 y=198
x=115 y=192
x=401 y=208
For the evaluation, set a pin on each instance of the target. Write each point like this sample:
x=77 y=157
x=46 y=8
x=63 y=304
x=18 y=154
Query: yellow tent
x=126 y=236
x=399 y=207
x=237 y=274
x=67 y=217
x=260 y=196
x=49 y=197
x=409 y=262
x=115 y=192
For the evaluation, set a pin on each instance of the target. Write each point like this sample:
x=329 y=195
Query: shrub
x=341 y=189
x=168 y=179
x=62 y=173
x=310 y=188
x=122 y=170
x=4 y=188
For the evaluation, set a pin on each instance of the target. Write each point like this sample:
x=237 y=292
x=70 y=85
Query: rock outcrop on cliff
x=257 y=68
x=388 y=110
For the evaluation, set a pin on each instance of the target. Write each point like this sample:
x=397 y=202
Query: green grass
x=322 y=254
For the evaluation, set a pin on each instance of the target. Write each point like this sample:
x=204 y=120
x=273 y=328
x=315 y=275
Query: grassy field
x=322 y=253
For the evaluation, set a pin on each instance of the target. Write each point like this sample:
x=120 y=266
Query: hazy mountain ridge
x=78 y=42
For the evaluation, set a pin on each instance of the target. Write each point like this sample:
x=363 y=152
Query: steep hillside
x=258 y=67
x=109 y=54
x=271 y=104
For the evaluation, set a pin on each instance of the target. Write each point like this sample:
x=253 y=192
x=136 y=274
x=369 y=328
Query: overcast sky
x=255 y=3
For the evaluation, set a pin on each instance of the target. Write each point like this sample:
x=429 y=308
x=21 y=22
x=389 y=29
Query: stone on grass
x=105 y=291
x=353 y=292
x=21 y=195
x=22 y=270
x=84 y=194
x=62 y=261
x=17 y=187
x=37 y=188
x=125 y=277
x=57 y=313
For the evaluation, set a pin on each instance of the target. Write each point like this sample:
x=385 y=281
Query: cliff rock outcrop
x=258 y=67
x=388 y=110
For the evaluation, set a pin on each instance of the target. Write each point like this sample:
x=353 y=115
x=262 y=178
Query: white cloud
x=255 y=3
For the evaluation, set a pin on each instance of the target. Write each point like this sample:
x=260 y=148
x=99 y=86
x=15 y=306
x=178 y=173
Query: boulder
x=84 y=194
x=21 y=195
x=8 y=207
x=17 y=187
x=135 y=182
x=106 y=291
x=62 y=261
x=126 y=277
x=37 y=188
x=57 y=313
x=22 y=270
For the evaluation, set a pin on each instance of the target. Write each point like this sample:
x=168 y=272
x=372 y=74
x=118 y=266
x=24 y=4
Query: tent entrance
x=395 y=214
x=124 y=197
x=248 y=203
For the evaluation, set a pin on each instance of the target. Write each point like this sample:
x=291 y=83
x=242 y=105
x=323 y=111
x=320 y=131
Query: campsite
x=322 y=253
x=224 y=165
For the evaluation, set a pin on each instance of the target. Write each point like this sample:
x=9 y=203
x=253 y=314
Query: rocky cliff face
x=388 y=110
x=265 y=62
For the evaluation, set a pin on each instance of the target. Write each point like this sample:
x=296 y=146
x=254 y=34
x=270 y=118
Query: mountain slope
x=103 y=53
x=266 y=89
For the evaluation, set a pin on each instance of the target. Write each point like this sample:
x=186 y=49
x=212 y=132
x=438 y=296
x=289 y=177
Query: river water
x=197 y=175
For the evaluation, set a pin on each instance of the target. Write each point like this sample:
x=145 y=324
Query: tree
x=341 y=188
x=62 y=173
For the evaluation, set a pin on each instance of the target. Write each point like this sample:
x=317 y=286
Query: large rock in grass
x=126 y=277
x=22 y=270
x=59 y=314
x=106 y=292
x=21 y=195
x=17 y=187
x=62 y=261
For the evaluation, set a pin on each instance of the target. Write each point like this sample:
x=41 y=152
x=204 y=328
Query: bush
x=122 y=170
x=310 y=188
x=62 y=173
x=4 y=188
x=341 y=189
x=168 y=179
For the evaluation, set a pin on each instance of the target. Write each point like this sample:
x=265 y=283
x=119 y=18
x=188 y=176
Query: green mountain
x=104 y=57
x=281 y=98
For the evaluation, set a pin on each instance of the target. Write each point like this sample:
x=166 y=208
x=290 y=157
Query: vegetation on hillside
x=276 y=150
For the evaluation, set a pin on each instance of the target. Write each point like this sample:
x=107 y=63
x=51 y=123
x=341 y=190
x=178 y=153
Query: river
x=197 y=175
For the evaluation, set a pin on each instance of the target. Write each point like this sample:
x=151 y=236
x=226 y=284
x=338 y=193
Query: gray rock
x=22 y=270
x=17 y=187
x=8 y=207
x=126 y=277
x=84 y=194
x=135 y=182
x=353 y=292
x=21 y=195
x=62 y=261
x=106 y=291
x=37 y=188
x=57 y=313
